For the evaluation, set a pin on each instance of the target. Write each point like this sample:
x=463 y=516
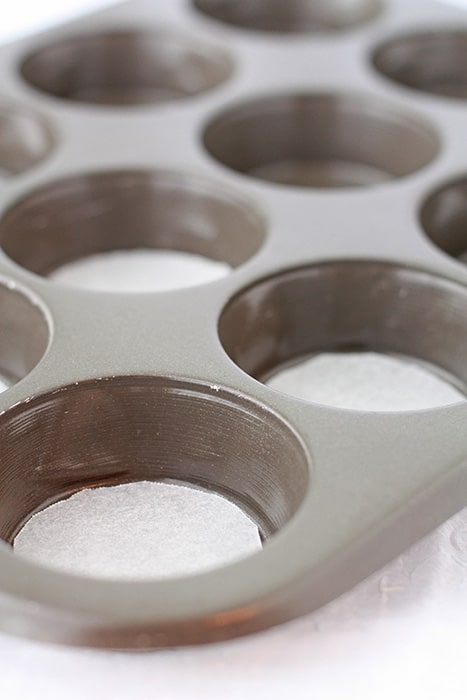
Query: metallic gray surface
x=377 y=482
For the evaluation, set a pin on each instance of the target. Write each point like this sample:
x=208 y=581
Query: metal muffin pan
x=320 y=149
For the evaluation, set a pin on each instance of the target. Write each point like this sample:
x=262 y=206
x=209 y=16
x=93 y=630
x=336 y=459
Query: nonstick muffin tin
x=320 y=149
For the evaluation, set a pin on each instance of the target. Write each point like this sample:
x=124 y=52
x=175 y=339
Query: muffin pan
x=319 y=150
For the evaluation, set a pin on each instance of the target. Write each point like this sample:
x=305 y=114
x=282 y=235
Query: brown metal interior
x=24 y=335
x=107 y=432
x=109 y=211
x=321 y=140
x=25 y=140
x=432 y=61
x=126 y=68
x=348 y=307
x=444 y=218
x=293 y=16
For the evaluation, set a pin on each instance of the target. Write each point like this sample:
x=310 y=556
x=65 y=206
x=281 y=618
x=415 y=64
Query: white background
x=401 y=634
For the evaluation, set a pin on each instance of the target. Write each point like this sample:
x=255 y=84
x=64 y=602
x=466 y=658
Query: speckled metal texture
x=320 y=149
